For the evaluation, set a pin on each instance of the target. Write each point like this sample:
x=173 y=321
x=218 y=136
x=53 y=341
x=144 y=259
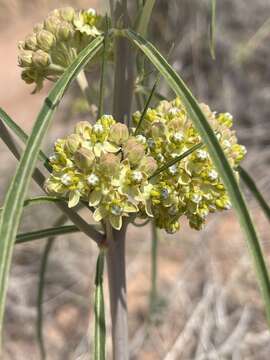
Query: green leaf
x=41 y=285
x=41 y=234
x=250 y=183
x=11 y=214
x=100 y=324
x=212 y=30
x=39 y=200
x=145 y=17
x=217 y=155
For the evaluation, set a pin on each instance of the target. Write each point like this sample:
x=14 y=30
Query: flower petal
x=95 y=197
x=116 y=221
x=74 y=198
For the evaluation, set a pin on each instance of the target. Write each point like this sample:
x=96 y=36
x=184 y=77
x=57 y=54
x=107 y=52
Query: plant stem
x=117 y=287
x=154 y=255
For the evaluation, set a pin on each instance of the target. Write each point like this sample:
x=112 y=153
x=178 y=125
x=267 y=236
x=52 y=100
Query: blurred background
x=209 y=305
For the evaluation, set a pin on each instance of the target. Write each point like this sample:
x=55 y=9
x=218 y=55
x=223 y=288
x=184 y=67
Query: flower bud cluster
x=54 y=44
x=192 y=186
x=105 y=166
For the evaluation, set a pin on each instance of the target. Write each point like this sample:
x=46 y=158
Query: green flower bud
x=41 y=59
x=25 y=58
x=84 y=158
x=109 y=164
x=133 y=151
x=51 y=23
x=67 y=13
x=64 y=30
x=158 y=130
x=45 y=40
x=118 y=133
x=31 y=42
x=148 y=165
x=72 y=143
x=84 y=129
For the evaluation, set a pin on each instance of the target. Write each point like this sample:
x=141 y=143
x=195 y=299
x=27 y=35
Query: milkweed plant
x=137 y=164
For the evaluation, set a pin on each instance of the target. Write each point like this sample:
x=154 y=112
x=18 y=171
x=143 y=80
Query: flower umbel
x=55 y=43
x=115 y=172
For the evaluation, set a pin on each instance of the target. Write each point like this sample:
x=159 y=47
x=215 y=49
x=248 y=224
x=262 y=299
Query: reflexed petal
x=95 y=197
x=110 y=147
x=98 y=149
x=74 y=198
x=148 y=208
x=116 y=221
x=130 y=208
x=98 y=215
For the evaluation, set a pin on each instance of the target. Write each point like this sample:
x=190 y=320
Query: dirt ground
x=208 y=303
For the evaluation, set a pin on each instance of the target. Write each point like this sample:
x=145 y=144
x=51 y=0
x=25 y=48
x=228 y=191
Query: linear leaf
x=145 y=17
x=41 y=285
x=250 y=183
x=100 y=324
x=39 y=200
x=44 y=233
x=11 y=214
x=212 y=29
x=217 y=155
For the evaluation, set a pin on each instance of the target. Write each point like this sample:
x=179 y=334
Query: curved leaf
x=11 y=214
x=217 y=155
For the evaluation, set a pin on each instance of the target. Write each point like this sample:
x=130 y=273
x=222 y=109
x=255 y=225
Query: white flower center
x=137 y=176
x=160 y=157
x=173 y=169
x=98 y=128
x=66 y=180
x=116 y=210
x=173 y=111
x=165 y=193
x=53 y=158
x=150 y=143
x=228 y=115
x=226 y=143
x=213 y=175
x=178 y=136
x=141 y=139
x=91 y=11
x=202 y=155
x=93 y=179
x=196 y=198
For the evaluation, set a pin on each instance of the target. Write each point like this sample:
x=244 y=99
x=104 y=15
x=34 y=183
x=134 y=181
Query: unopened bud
x=45 y=40
x=25 y=58
x=83 y=128
x=31 y=42
x=72 y=143
x=84 y=158
x=67 y=13
x=109 y=163
x=51 y=23
x=64 y=30
x=158 y=130
x=41 y=58
x=133 y=151
x=118 y=133
x=148 y=165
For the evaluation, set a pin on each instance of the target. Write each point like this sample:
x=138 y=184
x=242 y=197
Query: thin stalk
x=118 y=292
x=154 y=268
x=41 y=285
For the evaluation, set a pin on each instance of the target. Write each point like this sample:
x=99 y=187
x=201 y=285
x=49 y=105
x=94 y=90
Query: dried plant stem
x=117 y=287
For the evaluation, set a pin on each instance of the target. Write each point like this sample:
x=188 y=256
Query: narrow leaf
x=41 y=234
x=100 y=324
x=250 y=183
x=39 y=200
x=212 y=30
x=11 y=214
x=18 y=131
x=41 y=285
x=217 y=155
x=145 y=17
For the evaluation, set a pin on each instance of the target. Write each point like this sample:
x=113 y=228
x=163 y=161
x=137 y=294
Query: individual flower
x=55 y=43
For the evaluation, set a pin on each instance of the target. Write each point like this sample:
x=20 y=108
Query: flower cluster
x=105 y=166
x=117 y=171
x=192 y=186
x=55 y=43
